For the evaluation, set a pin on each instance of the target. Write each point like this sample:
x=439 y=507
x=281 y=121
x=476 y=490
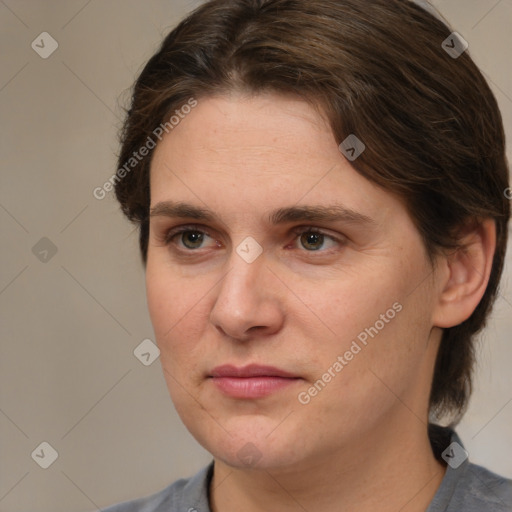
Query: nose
x=248 y=304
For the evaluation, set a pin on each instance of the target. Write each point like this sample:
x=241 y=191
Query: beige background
x=68 y=375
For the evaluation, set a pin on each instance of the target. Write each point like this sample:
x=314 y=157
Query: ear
x=464 y=274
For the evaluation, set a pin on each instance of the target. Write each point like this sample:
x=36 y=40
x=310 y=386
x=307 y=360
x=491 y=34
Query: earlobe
x=467 y=273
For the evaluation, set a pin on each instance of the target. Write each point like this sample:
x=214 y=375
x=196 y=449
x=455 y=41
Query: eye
x=313 y=239
x=191 y=238
x=187 y=238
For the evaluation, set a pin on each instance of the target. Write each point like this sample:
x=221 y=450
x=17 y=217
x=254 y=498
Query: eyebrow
x=316 y=213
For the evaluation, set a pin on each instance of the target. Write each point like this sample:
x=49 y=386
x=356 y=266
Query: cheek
x=177 y=309
x=167 y=309
x=160 y=293
x=379 y=320
x=355 y=303
x=169 y=296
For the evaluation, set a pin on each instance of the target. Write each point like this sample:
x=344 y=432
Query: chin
x=250 y=444
x=256 y=456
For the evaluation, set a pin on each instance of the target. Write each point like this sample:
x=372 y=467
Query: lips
x=252 y=381
x=252 y=370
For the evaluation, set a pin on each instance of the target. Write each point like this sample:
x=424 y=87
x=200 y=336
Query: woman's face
x=291 y=298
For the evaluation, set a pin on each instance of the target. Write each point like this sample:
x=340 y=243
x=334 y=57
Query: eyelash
x=173 y=233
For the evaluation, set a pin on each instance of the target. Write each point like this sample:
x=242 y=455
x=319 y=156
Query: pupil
x=313 y=239
x=193 y=238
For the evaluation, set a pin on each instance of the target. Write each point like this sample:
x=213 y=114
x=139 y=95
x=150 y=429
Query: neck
x=389 y=469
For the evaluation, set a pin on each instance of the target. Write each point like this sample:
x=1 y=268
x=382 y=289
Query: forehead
x=240 y=127
x=252 y=154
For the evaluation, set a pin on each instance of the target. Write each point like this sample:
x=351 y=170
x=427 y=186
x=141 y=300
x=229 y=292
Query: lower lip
x=251 y=387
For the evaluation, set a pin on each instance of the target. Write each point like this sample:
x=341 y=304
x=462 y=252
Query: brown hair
x=431 y=125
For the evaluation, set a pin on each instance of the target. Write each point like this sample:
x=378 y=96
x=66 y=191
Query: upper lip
x=252 y=370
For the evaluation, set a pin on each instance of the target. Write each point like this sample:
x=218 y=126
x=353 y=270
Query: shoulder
x=481 y=490
x=187 y=494
x=466 y=486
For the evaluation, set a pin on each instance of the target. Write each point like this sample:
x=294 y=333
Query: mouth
x=252 y=381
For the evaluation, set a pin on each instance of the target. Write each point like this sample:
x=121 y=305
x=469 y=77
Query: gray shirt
x=465 y=487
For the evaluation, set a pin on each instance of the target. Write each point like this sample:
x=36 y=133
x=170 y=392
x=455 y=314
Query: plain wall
x=68 y=375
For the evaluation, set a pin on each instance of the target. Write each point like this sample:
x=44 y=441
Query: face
x=291 y=298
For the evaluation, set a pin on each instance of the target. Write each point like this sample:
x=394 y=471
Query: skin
x=362 y=440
